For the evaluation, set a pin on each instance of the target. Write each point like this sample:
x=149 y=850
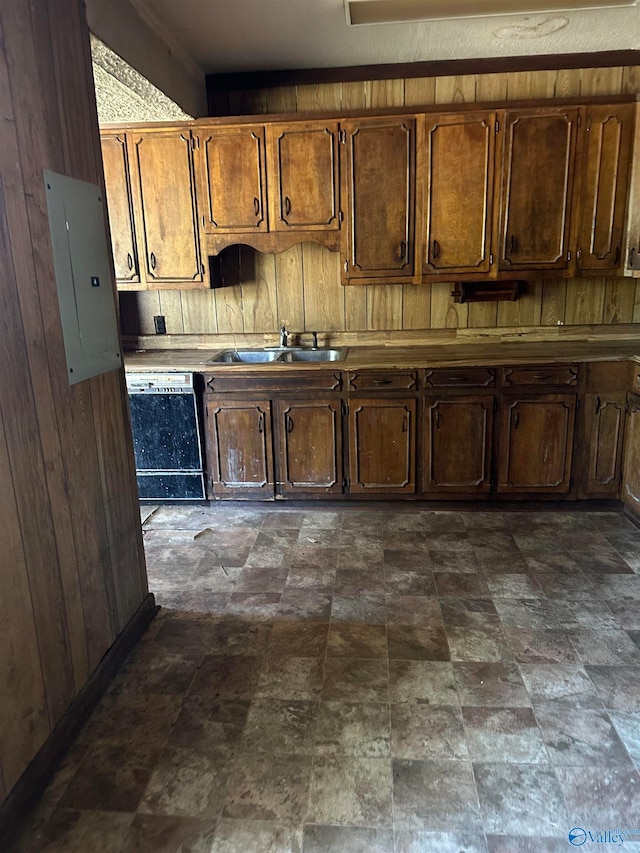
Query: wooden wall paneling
x=445 y=313
x=259 y=301
x=281 y=100
x=354 y=96
x=199 y=312
x=147 y=306
x=384 y=307
x=289 y=288
x=419 y=90
x=601 y=81
x=554 y=302
x=384 y=93
x=585 y=301
x=229 y=309
x=619 y=296
x=491 y=87
x=171 y=309
x=631 y=79
x=568 y=83
x=323 y=292
x=456 y=90
x=254 y=102
x=531 y=84
x=318 y=97
x=24 y=723
x=416 y=306
x=355 y=308
x=525 y=311
x=483 y=314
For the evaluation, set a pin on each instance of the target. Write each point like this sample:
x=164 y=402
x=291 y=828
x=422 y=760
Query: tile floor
x=367 y=679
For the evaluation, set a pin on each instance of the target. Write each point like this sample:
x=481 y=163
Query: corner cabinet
x=537 y=189
x=153 y=214
x=380 y=181
x=631 y=476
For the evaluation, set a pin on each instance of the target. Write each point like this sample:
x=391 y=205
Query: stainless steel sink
x=245 y=356
x=314 y=355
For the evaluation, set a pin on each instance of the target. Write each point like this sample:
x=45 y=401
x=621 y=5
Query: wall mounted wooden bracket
x=488 y=291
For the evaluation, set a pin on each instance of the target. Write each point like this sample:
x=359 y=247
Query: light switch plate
x=83 y=276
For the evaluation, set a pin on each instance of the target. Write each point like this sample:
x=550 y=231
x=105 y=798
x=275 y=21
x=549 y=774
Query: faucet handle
x=315 y=340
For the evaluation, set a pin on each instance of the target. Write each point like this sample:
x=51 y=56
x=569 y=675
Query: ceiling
x=222 y=36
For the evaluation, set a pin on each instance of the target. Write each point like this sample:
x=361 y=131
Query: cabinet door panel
x=606 y=166
x=231 y=172
x=457 y=444
x=537 y=188
x=310 y=446
x=537 y=443
x=168 y=207
x=120 y=206
x=631 y=477
x=381 y=192
x=239 y=451
x=459 y=163
x=605 y=430
x=382 y=445
x=303 y=176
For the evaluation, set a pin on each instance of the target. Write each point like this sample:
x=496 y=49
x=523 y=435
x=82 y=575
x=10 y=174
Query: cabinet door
x=604 y=416
x=117 y=179
x=239 y=449
x=537 y=187
x=231 y=178
x=303 y=176
x=457 y=444
x=606 y=165
x=310 y=446
x=459 y=177
x=536 y=443
x=382 y=446
x=631 y=475
x=167 y=208
x=380 y=172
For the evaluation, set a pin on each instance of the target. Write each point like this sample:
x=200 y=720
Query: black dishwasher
x=166 y=436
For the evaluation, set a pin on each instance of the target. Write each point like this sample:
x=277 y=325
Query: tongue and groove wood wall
x=72 y=571
x=301 y=287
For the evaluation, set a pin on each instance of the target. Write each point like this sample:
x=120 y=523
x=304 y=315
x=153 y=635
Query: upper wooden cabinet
x=303 y=176
x=152 y=208
x=230 y=163
x=380 y=196
x=115 y=159
x=459 y=175
x=605 y=168
x=537 y=187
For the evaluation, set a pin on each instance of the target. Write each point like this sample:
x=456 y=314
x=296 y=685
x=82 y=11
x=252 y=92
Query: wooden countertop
x=360 y=357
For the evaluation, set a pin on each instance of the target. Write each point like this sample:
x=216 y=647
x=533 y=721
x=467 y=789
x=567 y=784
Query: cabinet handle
x=598 y=404
x=458 y=378
x=437 y=419
x=405 y=422
x=541 y=377
x=435 y=253
x=616 y=260
x=381 y=382
x=514 y=246
x=289 y=423
x=632 y=257
x=516 y=420
x=152 y=259
x=256 y=206
x=403 y=250
x=261 y=424
x=287 y=205
x=129 y=260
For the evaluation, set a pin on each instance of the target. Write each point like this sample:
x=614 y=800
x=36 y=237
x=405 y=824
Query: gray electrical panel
x=83 y=276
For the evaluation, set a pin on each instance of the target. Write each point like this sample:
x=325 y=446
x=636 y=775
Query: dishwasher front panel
x=165 y=434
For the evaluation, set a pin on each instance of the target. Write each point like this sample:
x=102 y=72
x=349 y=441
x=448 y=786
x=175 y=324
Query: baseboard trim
x=41 y=769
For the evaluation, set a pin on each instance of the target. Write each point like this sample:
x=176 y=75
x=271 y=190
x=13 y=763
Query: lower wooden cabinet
x=310 y=445
x=239 y=454
x=536 y=444
x=631 y=474
x=457 y=436
x=604 y=418
x=382 y=439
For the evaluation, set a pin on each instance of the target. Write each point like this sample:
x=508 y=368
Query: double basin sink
x=288 y=355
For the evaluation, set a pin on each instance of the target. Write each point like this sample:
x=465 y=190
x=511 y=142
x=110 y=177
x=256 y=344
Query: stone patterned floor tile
x=435 y=795
x=617 y=686
x=280 y=726
x=353 y=728
x=162 y=834
x=73 y=831
x=567 y=685
x=581 y=737
x=268 y=787
x=347 y=839
x=408 y=642
x=357 y=641
x=504 y=734
x=422 y=682
x=487 y=644
x=351 y=790
x=290 y=678
x=261 y=836
x=601 y=797
x=417 y=841
x=298 y=638
x=356 y=680
x=227 y=677
x=427 y=732
x=496 y=685
x=205 y=723
x=540 y=645
x=359 y=608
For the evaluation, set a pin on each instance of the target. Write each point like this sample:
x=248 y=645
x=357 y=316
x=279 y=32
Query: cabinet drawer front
x=482 y=377
x=319 y=380
x=635 y=381
x=542 y=374
x=383 y=380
